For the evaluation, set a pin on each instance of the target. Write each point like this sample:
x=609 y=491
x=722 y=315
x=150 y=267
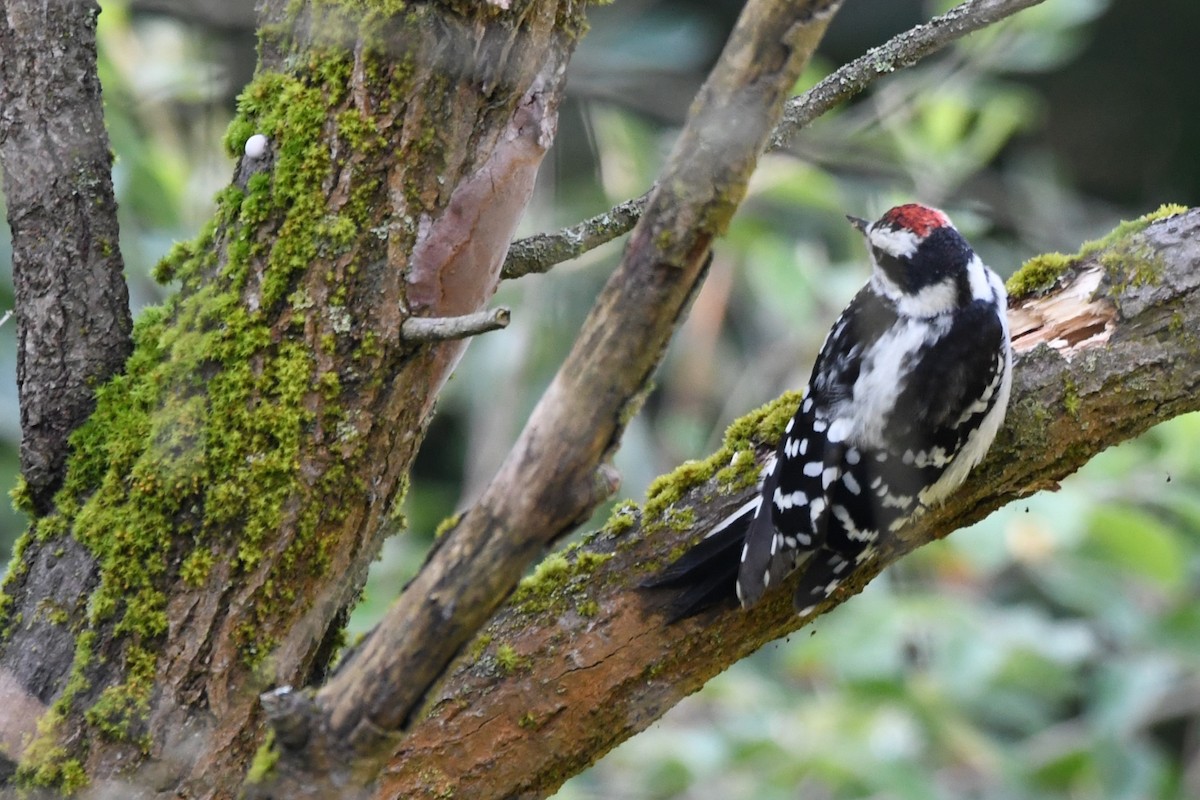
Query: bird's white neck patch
x=977 y=277
x=931 y=301
x=899 y=242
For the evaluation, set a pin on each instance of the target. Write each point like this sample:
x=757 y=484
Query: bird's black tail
x=707 y=574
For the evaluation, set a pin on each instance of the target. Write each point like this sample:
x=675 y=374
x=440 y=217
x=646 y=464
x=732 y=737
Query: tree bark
x=72 y=305
x=581 y=659
x=222 y=504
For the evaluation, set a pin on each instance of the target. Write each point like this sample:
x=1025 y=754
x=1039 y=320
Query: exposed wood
x=1069 y=319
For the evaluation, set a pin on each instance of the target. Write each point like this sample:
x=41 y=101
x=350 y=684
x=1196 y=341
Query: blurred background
x=1051 y=651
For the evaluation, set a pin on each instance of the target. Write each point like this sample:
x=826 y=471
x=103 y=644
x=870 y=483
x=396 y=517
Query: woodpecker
x=905 y=398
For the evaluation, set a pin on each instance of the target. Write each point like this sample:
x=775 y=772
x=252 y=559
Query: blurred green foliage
x=1051 y=651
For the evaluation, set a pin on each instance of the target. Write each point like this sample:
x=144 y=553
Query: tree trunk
x=72 y=305
x=222 y=504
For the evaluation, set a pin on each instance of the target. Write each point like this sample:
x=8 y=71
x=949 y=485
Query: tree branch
x=897 y=53
x=584 y=658
x=72 y=304
x=555 y=475
x=541 y=252
x=441 y=329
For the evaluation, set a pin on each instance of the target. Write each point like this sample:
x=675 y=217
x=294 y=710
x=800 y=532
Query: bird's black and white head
x=922 y=263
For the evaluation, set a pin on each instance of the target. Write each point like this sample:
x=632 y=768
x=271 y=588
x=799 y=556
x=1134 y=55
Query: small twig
x=441 y=329
x=541 y=252
x=897 y=53
x=4 y=319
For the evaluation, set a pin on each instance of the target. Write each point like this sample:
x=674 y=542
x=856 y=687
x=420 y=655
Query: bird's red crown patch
x=916 y=218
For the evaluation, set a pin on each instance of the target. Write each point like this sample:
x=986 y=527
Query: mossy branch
x=598 y=663
x=541 y=252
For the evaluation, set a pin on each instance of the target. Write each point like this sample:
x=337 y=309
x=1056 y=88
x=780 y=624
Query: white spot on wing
x=829 y=476
x=839 y=429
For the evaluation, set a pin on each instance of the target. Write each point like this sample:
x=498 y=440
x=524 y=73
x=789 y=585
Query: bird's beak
x=859 y=223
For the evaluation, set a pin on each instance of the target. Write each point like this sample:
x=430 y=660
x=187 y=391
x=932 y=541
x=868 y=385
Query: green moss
x=1071 y=401
x=120 y=711
x=45 y=762
x=1176 y=325
x=623 y=517
x=196 y=567
x=734 y=468
x=556 y=579
x=51 y=768
x=1129 y=227
x=1039 y=273
x=666 y=490
x=507 y=660
x=214 y=401
x=384 y=8
x=265 y=759
x=21 y=497
x=447 y=525
x=528 y=721
x=587 y=608
x=733 y=465
x=55 y=616
x=480 y=645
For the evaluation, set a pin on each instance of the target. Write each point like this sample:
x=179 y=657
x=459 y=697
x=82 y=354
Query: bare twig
x=543 y=251
x=540 y=252
x=897 y=53
x=441 y=329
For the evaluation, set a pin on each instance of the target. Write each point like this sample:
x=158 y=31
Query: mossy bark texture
x=221 y=505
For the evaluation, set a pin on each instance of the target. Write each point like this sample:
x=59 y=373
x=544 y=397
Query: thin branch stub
x=442 y=329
